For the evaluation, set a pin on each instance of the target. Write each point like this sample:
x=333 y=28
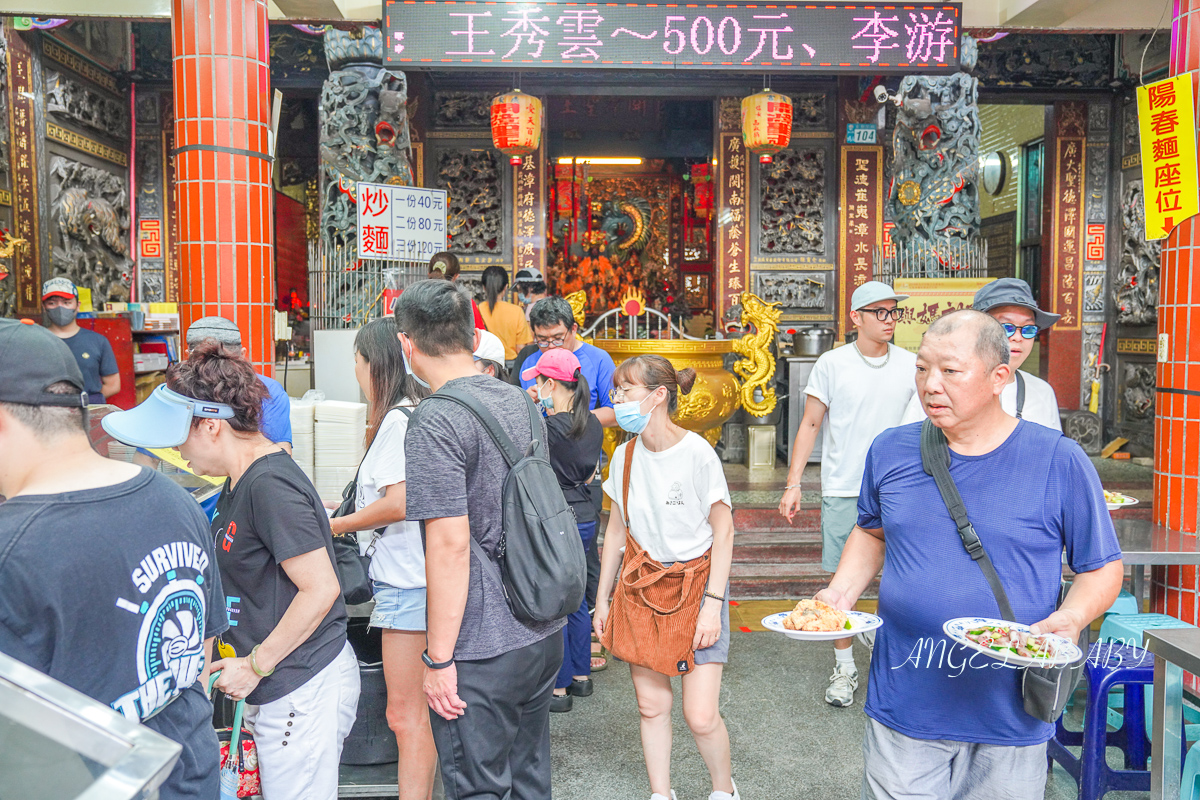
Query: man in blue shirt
x=277 y=408
x=93 y=353
x=554 y=325
x=942 y=723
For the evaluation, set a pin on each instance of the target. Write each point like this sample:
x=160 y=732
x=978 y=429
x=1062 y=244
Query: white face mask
x=408 y=366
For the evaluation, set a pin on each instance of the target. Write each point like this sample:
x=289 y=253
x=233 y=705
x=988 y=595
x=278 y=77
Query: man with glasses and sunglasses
x=554 y=326
x=1010 y=302
x=863 y=387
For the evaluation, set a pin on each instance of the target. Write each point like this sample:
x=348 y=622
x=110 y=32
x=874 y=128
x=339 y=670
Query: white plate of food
x=1115 y=500
x=814 y=621
x=1011 y=642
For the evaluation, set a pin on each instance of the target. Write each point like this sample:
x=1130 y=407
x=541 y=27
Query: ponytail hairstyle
x=580 y=404
x=495 y=281
x=391 y=383
x=653 y=371
x=216 y=374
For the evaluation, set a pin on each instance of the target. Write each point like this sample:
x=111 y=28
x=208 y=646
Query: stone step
x=746 y=520
x=777 y=547
x=773 y=581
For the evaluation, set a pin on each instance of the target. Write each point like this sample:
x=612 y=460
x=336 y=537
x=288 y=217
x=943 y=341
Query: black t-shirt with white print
x=113 y=591
x=271 y=515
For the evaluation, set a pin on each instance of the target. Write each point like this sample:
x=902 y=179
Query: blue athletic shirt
x=1029 y=499
x=594 y=364
x=276 y=422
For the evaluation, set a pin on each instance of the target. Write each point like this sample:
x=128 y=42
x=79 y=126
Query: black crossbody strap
x=489 y=422
x=935 y=458
x=1020 y=393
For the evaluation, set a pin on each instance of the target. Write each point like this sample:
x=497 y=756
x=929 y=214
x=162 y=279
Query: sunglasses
x=1027 y=331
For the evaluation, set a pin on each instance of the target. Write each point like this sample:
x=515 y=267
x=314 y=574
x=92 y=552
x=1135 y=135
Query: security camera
x=881 y=93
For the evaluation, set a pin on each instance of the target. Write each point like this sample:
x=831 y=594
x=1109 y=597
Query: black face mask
x=60 y=316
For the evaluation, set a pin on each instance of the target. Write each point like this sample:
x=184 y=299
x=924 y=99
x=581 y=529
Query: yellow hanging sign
x=1167 y=124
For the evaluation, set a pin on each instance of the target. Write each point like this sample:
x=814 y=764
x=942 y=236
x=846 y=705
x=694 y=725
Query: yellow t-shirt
x=508 y=322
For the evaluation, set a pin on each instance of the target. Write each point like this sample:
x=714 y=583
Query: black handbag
x=1045 y=690
x=351 y=565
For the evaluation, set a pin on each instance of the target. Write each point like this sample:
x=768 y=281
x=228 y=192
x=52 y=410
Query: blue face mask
x=408 y=368
x=547 y=402
x=630 y=416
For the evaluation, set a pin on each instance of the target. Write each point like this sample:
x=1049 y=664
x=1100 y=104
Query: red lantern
x=766 y=123
x=564 y=192
x=516 y=125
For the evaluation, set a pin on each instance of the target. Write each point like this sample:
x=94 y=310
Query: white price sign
x=400 y=223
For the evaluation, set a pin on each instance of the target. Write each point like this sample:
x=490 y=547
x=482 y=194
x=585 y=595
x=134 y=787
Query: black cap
x=32 y=359
x=1012 y=292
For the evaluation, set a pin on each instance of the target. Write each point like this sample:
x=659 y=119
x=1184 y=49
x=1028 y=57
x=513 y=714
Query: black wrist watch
x=429 y=662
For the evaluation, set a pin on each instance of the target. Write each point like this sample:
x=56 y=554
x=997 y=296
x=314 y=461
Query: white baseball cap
x=490 y=347
x=873 y=292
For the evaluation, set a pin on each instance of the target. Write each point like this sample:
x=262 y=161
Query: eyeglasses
x=618 y=395
x=882 y=314
x=545 y=343
x=1027 y=331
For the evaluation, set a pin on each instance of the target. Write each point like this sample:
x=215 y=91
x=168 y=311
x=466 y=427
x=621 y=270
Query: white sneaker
x=657 y=796
x=842 y=684
x=726 y=795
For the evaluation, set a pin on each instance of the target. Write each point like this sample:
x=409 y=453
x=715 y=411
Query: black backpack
x=542 y=567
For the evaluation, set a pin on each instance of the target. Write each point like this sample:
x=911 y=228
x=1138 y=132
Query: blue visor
x=162 y=420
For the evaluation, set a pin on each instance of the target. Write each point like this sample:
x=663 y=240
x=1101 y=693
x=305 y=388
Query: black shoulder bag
x=1044 y=689
x=352 y=567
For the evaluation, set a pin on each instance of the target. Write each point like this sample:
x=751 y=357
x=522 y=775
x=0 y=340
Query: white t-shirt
x=399 y=558
x=670 y=496
x=1041 y=404
x=863 y=402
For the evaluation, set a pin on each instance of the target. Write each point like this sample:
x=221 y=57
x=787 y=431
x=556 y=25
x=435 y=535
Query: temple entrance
x=631 y=204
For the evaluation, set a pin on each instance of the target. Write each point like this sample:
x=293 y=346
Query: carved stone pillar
x=222 y=80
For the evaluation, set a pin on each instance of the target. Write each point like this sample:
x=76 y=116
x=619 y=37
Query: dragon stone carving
x=756 y=368
x=1136 y=291
x=364 y=129
x=90 y=212
x=933 y=197
x=793 y=203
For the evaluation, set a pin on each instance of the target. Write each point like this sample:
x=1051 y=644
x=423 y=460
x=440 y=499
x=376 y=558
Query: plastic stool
x=1124 y=604
x=1109 y=664
x=1128 y=628
x=1189 y=787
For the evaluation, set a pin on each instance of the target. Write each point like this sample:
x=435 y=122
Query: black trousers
x=500 y=748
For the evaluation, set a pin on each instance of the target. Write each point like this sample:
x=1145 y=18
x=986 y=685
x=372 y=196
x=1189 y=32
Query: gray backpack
x=542 y=568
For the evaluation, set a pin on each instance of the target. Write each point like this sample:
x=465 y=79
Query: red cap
x=559 y=363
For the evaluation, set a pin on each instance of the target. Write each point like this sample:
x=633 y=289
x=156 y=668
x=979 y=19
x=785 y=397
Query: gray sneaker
x=842 y=684
x=867 y=640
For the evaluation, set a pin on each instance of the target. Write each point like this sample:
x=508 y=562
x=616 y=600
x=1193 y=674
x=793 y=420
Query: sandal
x=600 y=660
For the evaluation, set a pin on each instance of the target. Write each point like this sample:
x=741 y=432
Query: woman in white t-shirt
x=679 y=509
x=397 y=556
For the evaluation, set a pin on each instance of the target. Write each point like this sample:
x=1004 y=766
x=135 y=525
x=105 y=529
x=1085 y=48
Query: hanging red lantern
x=766 y=123
x=702 y=190
x=516 y=125
x=564 y=190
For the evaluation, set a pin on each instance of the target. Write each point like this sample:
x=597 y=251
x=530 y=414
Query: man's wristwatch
x=429 y=662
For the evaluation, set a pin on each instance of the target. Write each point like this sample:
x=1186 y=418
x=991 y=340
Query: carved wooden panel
x=473 y=179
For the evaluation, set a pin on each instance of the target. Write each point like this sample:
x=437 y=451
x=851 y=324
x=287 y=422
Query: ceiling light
x=609 y=161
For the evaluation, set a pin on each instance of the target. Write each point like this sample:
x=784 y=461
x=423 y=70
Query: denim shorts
x=398 y=609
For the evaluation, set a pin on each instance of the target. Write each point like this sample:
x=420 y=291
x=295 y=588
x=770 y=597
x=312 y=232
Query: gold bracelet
x=254 y=663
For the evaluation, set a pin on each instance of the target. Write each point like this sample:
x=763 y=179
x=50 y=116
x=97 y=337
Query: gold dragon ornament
x=578 y=302
x=756 y=368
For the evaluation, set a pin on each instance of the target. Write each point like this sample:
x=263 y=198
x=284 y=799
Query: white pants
x=299 y=736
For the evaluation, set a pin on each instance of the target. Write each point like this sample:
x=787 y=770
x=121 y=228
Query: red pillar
x=1177 y=407
x=222 y=84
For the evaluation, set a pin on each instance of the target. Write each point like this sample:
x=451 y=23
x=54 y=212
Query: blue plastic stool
x=1124 y=604
x=1189 y=787
x=1108 y=665
x=1128 y=628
